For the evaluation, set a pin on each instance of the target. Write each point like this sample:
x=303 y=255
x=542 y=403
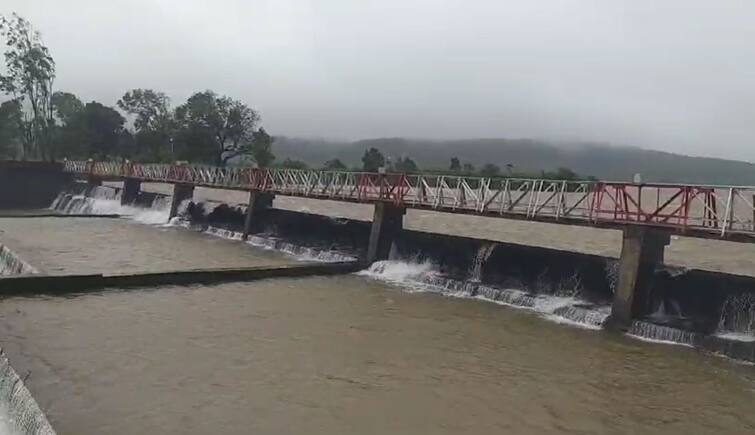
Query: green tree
x=455 y=165
x=150 y=108
x=294 y=164
x=490 y=170
x=103 y=130
x=469 y=168
x=30 y=72
x=230 y=123
x=66 y=106
x=372 y=160
x=334 y=165
x=154 y=124
x=10 y=128
x=406 y=165
x=261 y=148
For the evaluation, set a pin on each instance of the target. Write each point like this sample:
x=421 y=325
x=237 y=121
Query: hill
x=600 y=160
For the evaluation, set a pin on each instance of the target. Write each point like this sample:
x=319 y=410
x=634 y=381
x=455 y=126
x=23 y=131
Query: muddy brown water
x=349 y=355
x=338 y=355
x=115 y=246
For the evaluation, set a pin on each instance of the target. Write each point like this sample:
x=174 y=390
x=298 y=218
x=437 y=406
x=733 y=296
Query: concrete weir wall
x=699 y=299
x=21 y=412
x=30 y=185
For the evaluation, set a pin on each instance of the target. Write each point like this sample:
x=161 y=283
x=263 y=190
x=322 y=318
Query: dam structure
x=149 y=298
x=647 y=214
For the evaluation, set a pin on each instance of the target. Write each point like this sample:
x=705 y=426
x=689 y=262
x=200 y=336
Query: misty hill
x=602 y=161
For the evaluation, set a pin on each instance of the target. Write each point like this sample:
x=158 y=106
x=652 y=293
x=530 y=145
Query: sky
x=673 y=75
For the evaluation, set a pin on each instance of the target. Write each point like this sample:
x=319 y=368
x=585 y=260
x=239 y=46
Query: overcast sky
x=675 y=75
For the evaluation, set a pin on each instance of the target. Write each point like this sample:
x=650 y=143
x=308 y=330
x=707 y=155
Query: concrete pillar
x=258 y=201
x=131 y=188
x=641 y=251
x=386 y=225
x=93 y=181
x=181 y=192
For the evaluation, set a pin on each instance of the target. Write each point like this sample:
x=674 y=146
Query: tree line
x=374 y=160
x=39 y=123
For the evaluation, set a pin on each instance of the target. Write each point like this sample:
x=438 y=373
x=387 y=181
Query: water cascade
x=738 y=318
x=424 y=277
x=663 y=334
x=11 y=264
x=479 y=260
x=105 y=200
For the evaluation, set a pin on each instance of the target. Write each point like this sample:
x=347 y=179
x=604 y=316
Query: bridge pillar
x=131 y=188
x=641 y=251
x=93 y=181
x=181 y=192
x=258 y=201
x=387 y=223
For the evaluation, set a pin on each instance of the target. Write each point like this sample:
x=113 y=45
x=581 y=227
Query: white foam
x=425 y=277
x=658 y=341
x=737 y=336
x=80 y=204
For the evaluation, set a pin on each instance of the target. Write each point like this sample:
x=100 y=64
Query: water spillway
x=445 y=323
x=559 y=285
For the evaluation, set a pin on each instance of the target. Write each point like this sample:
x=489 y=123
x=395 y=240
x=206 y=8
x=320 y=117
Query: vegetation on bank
x=38 y=122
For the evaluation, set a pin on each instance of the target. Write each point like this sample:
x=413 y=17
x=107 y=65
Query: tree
x=334 y=165
x=103 y=127
x=455 y=165
x=261 y=148
x=406 y=165
x=151 y=109
x=10 y=128
x=566 y=174
x=490 y=170
x=294 y=164
x=154 y=125
x=468 y=168
x=230 y=123
x=66 y=106
x=372 y=160
x=29 y=78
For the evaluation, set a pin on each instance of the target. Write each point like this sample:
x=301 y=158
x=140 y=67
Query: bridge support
x=387 y=223
x=641 y=251
x=181 y=192
x=93 y=181
x=258 y=201
x=131 y=188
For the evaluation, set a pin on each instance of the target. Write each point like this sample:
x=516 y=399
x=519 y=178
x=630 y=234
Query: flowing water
x=398 y=348
x=348 y=355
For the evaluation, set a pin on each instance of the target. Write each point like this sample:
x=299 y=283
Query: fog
x=672 y=75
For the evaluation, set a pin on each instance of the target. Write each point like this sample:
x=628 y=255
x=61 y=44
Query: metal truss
x=695 y=210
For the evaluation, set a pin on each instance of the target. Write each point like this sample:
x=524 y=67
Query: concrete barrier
x=64 y=284
x=23 y=414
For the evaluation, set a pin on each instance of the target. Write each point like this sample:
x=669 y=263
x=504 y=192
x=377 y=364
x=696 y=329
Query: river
x=368 y=353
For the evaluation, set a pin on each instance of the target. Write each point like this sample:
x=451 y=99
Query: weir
x=61 y=284
x=636 y=293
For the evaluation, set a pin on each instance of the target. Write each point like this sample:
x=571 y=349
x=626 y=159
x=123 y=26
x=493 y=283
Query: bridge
x=647 y=213
x=722 y=212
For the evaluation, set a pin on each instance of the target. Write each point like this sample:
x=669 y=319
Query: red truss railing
x=702 y=211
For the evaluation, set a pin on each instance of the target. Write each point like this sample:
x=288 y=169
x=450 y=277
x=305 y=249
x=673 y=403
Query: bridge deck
x=720 y=212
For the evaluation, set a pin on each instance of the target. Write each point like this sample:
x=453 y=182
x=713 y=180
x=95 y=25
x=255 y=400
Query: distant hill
x=599 y=160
